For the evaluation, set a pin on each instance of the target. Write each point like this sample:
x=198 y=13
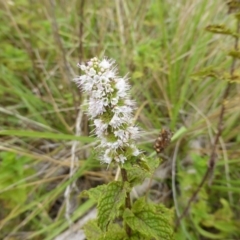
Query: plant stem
x=127 y=200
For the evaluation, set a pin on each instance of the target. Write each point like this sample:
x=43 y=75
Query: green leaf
x=112 y=198
x=140 y=169
x=91 y=230
x=47 y=135
x=94 y=193
x=179 y=133
x=209 y=235
x=136 y=175
x=149 y=163
x=218 y=225
x=151 y=220
x=115 y=232
x=227 y=189
x=222 y=219
x=13 y=170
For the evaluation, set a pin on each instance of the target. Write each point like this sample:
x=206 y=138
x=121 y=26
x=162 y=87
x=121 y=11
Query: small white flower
x=110 y=74
x=122 y=87
x=110 y=109
x=120 y=158
x=82 y=67
x=114 y=101
x=95 y=107
x=92 y=72
x=90 y=64
x=135 y=150
x=107 y=158
x=101 y=127
x=105 y=64
x=133 y=131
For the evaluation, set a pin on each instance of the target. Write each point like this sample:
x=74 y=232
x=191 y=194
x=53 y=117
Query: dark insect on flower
x=163 y=140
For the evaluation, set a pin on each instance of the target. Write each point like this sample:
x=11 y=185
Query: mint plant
x=110 y=109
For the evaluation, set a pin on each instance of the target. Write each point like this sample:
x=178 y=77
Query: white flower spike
x=110 y=108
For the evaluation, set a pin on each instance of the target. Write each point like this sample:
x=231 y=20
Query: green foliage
x=154 y=220
x=92 y=230
x=151 y=220
x=110 y=202
x=140 y=169
x=149 y=163
x=12 y=171
x=136 y=174
x=161 y=44
x=221 y=221
x=206 y=218
x=110 y=199
x=95 y=193
x=215 y=220
x=115 y=232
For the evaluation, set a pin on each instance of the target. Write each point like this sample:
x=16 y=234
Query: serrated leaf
x=136 y=237
x=150 y=220
x=148 y=164
x=141 y=169
x=152 y=163
x=91 y=230
x=113 y=197
x=136 y=175
x=115 y=232
x=168 y=213
x=94 y=193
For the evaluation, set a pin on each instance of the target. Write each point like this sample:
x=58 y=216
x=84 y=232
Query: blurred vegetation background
x=160 y=44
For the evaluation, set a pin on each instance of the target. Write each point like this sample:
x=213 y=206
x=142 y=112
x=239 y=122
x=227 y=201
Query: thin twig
x=212 y=159
x=127 y=200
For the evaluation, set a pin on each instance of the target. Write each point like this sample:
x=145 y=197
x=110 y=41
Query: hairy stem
x=127 y=200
